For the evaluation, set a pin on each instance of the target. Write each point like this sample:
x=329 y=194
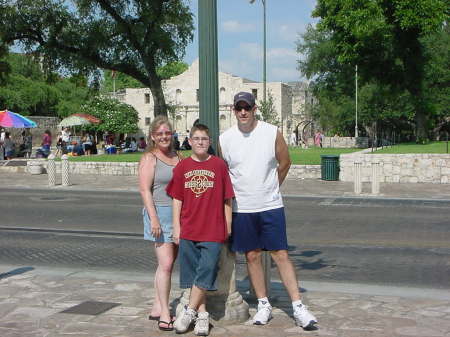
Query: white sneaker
x=202 y=324
x=263 y=315
x=303 y=317
x=184 y=319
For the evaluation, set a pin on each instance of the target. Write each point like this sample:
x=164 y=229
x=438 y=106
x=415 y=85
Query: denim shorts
x=260 y=230
x=199 y=263
x=165 y=219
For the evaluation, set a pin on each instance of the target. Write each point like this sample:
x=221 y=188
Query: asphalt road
x=381 y=241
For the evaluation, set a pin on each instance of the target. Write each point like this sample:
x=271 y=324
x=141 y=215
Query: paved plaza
x=32 y=298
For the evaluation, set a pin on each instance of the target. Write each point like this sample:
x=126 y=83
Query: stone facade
x=398 y=168
x=181 y=92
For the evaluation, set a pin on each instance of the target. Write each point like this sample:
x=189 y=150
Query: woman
x=46 y=142
x=155 y=172
x=87 y=144
x=9 y=146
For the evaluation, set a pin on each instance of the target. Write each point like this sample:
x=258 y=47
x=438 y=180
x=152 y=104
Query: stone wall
x=394 y=168
x=398 y=168
x=304 y=172
x=343 y=142
x=95 y=168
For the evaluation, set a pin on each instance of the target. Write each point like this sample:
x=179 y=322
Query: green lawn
x=432 y=147
x=311 y=156
x=299 y=156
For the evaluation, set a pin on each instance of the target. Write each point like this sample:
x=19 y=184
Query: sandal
x=169 y=326
x=153 y=318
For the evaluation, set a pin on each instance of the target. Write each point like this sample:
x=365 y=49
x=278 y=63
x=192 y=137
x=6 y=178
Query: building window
x=255 y=93
x=147 y=120
x=178 y=96
x=222 y=99
x=147 y=98
x=197 y=95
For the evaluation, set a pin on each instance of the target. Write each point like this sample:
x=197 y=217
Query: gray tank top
x=163 y=175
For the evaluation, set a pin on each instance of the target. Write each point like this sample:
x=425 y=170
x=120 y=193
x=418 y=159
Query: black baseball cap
x=244 y=97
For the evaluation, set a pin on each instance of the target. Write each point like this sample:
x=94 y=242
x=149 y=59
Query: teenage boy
x=201 y=190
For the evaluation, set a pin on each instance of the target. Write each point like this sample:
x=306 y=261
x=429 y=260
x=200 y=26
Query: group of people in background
x=8 y=148
x=194 y=205
x=318 y=139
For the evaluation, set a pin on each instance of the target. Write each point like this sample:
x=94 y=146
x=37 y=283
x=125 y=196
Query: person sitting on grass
x=202 y=192
x=131 y=146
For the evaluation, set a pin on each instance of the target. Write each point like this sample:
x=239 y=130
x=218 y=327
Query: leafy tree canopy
x=386 y=39
x=123 y=81
x=27 y=90
x=116 y=117
x=268 y=111
x=133 y=37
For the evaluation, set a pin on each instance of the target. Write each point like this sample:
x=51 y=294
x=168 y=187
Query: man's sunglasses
x=240 y=107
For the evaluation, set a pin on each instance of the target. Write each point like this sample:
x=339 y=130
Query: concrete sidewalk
x=31 y=301
x=301 y=187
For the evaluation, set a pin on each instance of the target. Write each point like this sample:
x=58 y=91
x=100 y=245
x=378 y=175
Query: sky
x=240 y=37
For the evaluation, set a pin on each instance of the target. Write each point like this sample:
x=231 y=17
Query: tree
x=28 y=90
x=115 y=116
x=132 y=37
x=123 y=81
x=4 y=66
x=383 y=37
x=268 y=112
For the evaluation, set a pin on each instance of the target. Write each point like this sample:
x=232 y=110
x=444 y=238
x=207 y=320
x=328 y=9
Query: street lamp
x=356 y=101
x=264 y=47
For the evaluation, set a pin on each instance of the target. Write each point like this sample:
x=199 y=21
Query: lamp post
x=266 y=260
x=356 y=101
x=264 y=48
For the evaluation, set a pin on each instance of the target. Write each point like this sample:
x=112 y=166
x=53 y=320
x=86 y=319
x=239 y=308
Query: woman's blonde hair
x=154 y=126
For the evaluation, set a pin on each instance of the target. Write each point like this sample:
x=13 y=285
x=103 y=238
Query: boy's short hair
x=199 y=127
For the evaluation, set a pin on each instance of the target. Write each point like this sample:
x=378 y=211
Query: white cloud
x=290 y=32
x=237 y=27
x=281 y=53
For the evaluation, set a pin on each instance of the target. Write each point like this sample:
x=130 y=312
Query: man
x=258 y=160
x=293 y=139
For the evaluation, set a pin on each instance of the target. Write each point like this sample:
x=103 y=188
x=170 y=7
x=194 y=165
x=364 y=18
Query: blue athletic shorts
x=199 y=263
x=165 y=220
x=260 y=230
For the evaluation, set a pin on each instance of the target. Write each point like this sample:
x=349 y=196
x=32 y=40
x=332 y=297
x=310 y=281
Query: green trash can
x=330 y=166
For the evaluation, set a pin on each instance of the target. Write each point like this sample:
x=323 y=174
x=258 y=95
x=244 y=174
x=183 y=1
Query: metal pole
x=356 y=101
x=209 y=83
x=265 y=56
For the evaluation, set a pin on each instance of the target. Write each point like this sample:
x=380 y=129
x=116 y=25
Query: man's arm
x=176 y=215
x=282 y=155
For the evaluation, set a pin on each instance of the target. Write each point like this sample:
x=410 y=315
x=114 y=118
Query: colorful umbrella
x=74 y=121
x=90 y=118
x=9 y=119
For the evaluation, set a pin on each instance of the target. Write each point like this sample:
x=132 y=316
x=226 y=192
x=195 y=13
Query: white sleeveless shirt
x=253 y=167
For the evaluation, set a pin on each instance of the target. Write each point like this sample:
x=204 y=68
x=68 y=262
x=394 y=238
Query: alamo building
x=290 y=101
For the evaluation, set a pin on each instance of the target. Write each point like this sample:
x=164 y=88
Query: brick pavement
x=31 y=303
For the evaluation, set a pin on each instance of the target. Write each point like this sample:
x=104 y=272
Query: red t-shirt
x=203 y=188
